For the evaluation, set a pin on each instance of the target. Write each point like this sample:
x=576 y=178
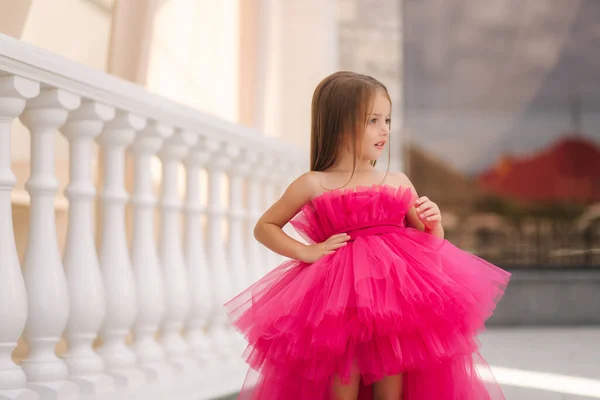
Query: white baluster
x=175 y=273
x=256 y=254
x=295 y=171
x=13 y=299
x=282 y=181
x=270 y=178
x=121 y=305
x=195 y=257
x=240 y=169
x=47 y=295
x=144 y=256
x=84 y=280
x=236 y=250
x=220 y=332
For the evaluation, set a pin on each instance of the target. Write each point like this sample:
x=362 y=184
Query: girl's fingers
x=436 y=217
x=337 y=236
x=425 y=206
x=336 y=243
x=429 y=213
x=426 y=212
x=336 y=246
x=422 y=200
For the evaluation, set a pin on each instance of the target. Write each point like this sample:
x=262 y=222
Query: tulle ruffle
x=394 y=301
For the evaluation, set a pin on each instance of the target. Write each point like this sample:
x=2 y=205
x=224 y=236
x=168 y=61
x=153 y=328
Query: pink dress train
x=393 y=300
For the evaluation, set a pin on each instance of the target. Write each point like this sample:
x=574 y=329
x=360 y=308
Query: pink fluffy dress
x=393 y=300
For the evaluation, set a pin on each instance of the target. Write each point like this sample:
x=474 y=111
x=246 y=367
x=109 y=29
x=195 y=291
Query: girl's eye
x=388 y=121
x=374 y=120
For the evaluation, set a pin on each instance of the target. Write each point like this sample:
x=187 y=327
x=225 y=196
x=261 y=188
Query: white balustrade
x=156 y=307
x=84 y=280
x=144 y=256
x=195 y=256
x=220 y=334
x=119 y=283
x=14 y=91
x=47 y=294
x=175 y=274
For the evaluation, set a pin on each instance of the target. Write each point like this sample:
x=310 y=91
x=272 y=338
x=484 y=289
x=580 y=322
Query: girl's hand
x=315 y=252
x=428 y=213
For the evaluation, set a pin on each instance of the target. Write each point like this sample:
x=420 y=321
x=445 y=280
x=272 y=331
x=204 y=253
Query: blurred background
x=496 y=116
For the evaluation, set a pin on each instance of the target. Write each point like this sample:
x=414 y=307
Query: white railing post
x=220 y=332
x=47 y=295
x=144 y=256
x=236 y=250
x=269 y=180
x=285 y=178
x=256 y=253
x=14 y=91
x=238 y=257
x=120 y=291
x=84 y=280
x=175 y=275
x=195 y=257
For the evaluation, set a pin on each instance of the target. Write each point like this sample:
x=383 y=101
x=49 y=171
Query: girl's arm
x=268 y=229
x=423 y=204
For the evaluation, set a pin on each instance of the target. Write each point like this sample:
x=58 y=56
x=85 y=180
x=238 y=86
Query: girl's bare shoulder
x=397 y=178
x=307 y=185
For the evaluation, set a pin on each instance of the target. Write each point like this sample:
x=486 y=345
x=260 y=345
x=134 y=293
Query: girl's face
x=377 y=131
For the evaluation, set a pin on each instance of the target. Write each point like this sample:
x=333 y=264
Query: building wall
x=370 y=42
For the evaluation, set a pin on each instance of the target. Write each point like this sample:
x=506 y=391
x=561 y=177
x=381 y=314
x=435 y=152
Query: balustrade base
x=94 y=384
x=185 y=366
x=128 y=378
x=215 y=382
x=205 y=360
x=18 y=394
x=159 y=372
x=238 y=340
x=65 y=390
x=220 y=338
x=200 y=348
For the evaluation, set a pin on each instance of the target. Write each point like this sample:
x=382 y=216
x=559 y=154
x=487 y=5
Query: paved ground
x=544 y=363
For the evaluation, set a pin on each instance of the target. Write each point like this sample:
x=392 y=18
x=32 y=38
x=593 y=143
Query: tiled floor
x=544 y=364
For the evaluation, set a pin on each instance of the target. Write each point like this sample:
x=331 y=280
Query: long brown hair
x=341 y=105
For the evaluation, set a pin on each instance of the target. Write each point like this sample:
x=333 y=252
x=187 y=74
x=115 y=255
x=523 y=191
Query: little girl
x=378 y=305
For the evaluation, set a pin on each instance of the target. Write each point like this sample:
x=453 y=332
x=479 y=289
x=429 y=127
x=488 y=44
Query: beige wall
x=309 y=39
x=76 y=29
x=194 y=55
x=249 y=31
x=13 y=16
x=297 y=47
